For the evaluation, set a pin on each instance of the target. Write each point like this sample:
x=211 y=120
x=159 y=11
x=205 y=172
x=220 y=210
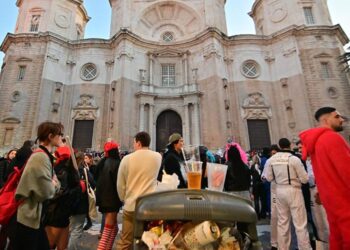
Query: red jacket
x=330 y=159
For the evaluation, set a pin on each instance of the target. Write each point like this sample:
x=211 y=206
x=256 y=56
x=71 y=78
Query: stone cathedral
x=169 y=66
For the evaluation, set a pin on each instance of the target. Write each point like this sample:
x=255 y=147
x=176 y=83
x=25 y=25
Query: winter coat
x=4 y=165
x=35 y=188
x=106 y=190
x=238 y=178
x=67 y=199
x=172 y=161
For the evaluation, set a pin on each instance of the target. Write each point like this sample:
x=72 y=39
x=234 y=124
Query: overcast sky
x=238 y=21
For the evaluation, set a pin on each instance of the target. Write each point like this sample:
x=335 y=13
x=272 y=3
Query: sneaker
x=88 y=225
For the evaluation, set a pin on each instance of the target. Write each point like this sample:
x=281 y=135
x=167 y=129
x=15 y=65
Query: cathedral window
x=88 y=72
x=168 y=75
x=250 y=69
x=168 y=37
x=34 y=23
x=21 y=73
x=325 y=70
x=309 y=15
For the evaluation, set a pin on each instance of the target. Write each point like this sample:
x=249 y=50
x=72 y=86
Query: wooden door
x=168 y=122
x=83 y=132
x=259 y=134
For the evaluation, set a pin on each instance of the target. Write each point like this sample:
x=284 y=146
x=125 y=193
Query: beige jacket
x=35 y=186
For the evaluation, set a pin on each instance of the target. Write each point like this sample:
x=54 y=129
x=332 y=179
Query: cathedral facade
x=169 y=66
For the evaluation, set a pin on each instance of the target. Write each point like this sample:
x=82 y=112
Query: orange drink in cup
x=194 y=174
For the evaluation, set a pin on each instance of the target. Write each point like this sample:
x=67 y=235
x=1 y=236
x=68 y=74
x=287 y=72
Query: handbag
x=91 y=198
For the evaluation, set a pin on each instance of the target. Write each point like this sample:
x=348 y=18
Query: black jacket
x=4 y=165
x=67 y=199
x=238 y=178
x=106 y=190
x=171 y=164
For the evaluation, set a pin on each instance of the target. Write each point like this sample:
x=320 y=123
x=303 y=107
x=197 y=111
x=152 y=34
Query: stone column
x=142 y=117
x=150 y=69
x=186 y=129
x=185 y=63
x=196 y=128
x=150 y=126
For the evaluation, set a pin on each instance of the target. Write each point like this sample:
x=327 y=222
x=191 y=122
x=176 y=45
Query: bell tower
x=66 y=18
x=161 y=20
x=271 y=16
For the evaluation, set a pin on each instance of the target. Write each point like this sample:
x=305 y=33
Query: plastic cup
x=191 y=153
x=216 y=176
x=194 y=174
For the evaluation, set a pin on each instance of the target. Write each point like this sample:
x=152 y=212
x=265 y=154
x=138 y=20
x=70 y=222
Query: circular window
x=89 y=72
x=168 y=37
x=332 y=93
x=250 y=69
x=16 y=96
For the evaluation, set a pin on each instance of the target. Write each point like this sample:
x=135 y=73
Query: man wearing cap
x=137 y=176
x=330 y=157
x=173 y=159
x=288 y=173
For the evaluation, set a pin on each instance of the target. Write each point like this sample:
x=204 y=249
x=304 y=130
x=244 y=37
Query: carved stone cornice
x=255 y=100
x=168 y=52
x=211 y=51
x=323 y=55
x=11 y=120
x=290 y=51
x=24 y=59
x=256 y=113
x=85 y=108
x=255 y=107
x=52 y=57
x=125 y=51
x=200 y=38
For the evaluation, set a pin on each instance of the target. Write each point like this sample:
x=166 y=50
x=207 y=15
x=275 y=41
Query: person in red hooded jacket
x=330 y=157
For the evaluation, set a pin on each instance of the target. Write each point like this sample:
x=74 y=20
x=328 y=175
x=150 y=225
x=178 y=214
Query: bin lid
x=185 y=204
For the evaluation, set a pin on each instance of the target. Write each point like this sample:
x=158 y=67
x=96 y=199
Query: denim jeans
x=76 y=228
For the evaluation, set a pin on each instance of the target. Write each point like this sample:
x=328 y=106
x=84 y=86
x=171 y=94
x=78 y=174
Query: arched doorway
x=168 y=122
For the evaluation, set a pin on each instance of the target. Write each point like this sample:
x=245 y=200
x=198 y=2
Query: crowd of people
x=293 y=188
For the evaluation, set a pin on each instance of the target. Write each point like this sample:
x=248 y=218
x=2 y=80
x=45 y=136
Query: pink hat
x=241 y=151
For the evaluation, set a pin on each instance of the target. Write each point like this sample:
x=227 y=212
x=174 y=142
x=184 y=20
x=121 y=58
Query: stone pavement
x=89 y=241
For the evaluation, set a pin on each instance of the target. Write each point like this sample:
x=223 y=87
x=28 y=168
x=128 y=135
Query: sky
x=238 y=20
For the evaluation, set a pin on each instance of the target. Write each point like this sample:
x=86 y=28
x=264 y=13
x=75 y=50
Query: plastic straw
x=72 y=153
x=183 y=154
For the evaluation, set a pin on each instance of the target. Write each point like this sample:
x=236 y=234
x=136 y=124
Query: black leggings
x=31 y=239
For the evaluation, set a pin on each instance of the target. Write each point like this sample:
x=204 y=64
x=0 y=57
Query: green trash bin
x=197 y=206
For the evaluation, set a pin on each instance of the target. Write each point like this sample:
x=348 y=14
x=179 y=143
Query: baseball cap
x=174 y=137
